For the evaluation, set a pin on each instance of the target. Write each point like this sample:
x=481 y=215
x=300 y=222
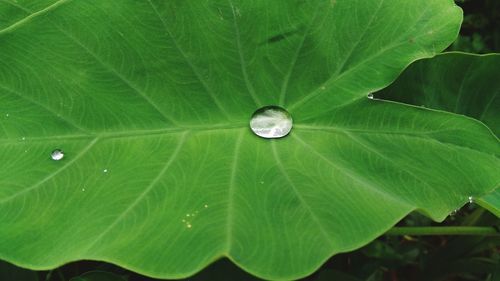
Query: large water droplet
x=271 y=122
x=57 y=154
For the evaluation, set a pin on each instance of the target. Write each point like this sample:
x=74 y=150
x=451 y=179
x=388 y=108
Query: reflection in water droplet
x=57 y=155
x=471 y=200
x=370 y=96
x=271 y=122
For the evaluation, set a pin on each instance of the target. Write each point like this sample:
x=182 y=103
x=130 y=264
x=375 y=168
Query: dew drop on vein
x=271 y=122
x=57 y=154
x=370 y=96
x=471 y=200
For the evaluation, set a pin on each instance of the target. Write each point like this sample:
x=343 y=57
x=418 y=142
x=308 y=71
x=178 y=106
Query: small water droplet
x=453 y=214
x=105 y=170
x=370 y=96
x=206 y=206
x=471 y=200
x=23 y=138
x=271 y=122
x=57 y=154
x=7 y=115
x=83 y=189
x=188 y=215
x=189 y=225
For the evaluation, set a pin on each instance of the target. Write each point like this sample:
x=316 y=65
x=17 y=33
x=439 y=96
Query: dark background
x=391 y=258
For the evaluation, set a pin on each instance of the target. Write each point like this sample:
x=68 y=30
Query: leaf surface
x=456 y=82
x=150 y=102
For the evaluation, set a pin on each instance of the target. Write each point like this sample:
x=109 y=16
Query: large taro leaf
x=150 y=101
x=457 y=82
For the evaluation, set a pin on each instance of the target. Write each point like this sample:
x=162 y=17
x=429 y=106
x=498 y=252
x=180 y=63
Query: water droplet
x=105 y=170
x=7 y=115
x=57 y=154
x=189 y=225
x=206 y=206
x=471 y=200
x=188 y=215
x=23 y=138
x=271 y=122
x=370 y=96
x=83 y=189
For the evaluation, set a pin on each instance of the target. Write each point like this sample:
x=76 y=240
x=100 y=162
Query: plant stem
x=444 y=230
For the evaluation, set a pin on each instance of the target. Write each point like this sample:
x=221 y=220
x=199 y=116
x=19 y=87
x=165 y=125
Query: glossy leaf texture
x=456 y=82
x=150 y=103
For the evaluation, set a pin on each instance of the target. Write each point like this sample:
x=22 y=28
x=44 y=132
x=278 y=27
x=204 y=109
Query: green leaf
x=457 y=82
x=150 y=102
x=491 y=202
x=462 y=83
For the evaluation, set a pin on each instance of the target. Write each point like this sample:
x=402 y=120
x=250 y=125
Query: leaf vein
x=299 y=196
x=51 y=175
x=231 y=190
x=141 y=196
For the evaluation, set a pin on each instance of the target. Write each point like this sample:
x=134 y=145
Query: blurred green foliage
x=480 y=32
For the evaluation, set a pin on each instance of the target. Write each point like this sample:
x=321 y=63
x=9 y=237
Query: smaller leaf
x=457 y=82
